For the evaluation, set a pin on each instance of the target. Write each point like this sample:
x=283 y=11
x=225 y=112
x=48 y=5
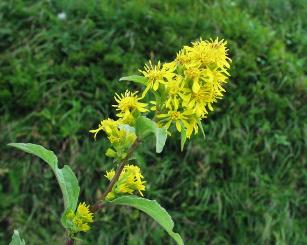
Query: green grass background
x=246 y=183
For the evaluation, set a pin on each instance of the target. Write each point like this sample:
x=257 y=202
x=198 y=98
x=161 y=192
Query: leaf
x=201 y=128
x=16 y=240
x=135 y=78
x=161 y=136
x=127 y=128
x=154 y=210
x=66 y=178
x=144 y=127
x=183 y=137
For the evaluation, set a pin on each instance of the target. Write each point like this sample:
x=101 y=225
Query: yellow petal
x=195 y=86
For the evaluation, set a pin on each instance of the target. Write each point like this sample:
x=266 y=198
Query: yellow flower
x=130 y=180
x=107 y=125
x=195 y=74
x=83 y=211
x=113 y=130
x=197 y=101
x=110 y=174
x=157 y=74
x=119 y=136
x=127 y=104
x=215 y=80
x=175 y=91
x=209 y=91
x=80 y=219
x=182 y=58
x=184 y=89
x=175 y=116
x=208 y=53
x=191 y=126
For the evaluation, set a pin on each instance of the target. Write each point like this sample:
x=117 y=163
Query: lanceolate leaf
x=154 y=210
x=161 y=136
x=183 y=137
x=135 y=78
x=66 y=178
x=16 y=240
x=144 y=127
x=201 y=127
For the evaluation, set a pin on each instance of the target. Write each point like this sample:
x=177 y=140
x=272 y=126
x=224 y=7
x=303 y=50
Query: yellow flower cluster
x=119 y=136
x=81 y=219
x=189 y=85
x=184 y=89
x=130 y=180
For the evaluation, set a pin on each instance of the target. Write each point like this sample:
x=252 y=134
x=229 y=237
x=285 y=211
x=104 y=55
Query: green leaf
x=154 y=210
x=127 y=128
x=161 y=136
x=144 y=127
x=183 y=137
x=16 y=240
x=201 y=127
x=66 y=178
x=135 y=78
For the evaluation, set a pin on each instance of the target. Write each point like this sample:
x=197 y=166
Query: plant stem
x=96 y=207
x=70 y=242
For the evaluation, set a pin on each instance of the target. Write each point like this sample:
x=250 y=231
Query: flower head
x=182 y=58
x=179 y=117
x=80 y=220
x=130 y=180
x=120 y=137
x=209 y=53
x=127 y=104
x=107 y=125
x=157 y=74
x=175 y=90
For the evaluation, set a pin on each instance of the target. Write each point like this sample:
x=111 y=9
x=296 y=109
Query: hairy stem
x=96 y=207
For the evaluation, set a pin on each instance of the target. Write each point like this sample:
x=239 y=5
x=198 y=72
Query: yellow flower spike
x=185 y=90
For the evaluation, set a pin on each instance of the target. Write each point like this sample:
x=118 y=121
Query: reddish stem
x=96 y=207
x=99 y=205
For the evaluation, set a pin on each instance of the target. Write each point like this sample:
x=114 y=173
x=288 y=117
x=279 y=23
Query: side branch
x=119 y=170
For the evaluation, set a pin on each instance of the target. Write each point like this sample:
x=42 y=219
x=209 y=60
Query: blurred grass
x=245 y=184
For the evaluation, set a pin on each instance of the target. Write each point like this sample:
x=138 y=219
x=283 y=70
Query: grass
x=245 y=184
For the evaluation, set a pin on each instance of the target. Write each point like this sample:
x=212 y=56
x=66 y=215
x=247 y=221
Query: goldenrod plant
x=176 y=96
